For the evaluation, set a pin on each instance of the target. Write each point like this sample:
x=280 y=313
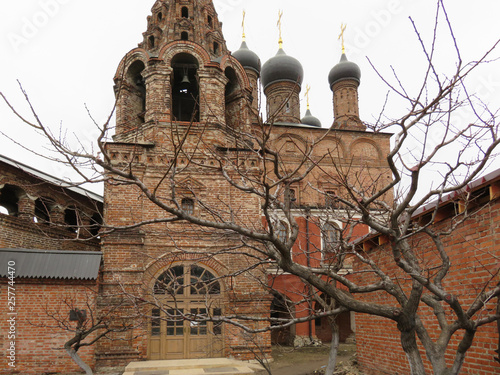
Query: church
x=212 y=169
x=204 y=192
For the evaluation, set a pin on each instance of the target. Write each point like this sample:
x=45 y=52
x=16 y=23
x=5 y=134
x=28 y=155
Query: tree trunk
x=406 y=326
x=76 y=358
x=332 y=358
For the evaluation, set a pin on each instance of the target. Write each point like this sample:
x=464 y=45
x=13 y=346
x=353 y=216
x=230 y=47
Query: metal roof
x=51 y=179
x=51 y=264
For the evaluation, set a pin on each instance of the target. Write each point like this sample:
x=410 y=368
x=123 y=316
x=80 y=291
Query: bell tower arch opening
x=185 y=88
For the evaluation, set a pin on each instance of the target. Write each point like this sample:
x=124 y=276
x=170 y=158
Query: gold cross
x=341 y=36
x=308 y=88
x=243 y=24
x=280 y=14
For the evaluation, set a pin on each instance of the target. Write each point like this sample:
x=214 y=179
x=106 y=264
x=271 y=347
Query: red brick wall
x=474 y=250
x=38 y=342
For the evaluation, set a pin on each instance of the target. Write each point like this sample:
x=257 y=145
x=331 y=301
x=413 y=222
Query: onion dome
x=247 y=58
x=282 y=68
x=309 y=119
x=344 y=70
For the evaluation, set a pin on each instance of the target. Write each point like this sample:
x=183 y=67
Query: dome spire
x=280 y=42
x=244 y=38
x=308 y=88
x=341 y=37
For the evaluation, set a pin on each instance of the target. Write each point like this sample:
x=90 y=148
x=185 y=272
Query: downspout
x=308 y=257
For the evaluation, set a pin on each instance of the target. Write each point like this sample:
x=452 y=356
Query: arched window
x=187 y=205
x=185 y=12
x=160 y=16
x=330 y=234
x=137 y=100
x=187 y=281
x=185 y=89
x=43 y=206
x=210 y=21
x=72 y=219
x=95 y=224
x=151 y=41
x=9 y=200
x=216 y=48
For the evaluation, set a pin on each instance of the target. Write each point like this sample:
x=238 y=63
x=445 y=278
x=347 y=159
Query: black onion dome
x=247 y=58
x=345 y=69
x=282 y=68
x=309 y=119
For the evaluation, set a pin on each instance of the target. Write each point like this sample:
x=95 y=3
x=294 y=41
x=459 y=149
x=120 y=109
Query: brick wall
x=474 y=250
x=39 y=342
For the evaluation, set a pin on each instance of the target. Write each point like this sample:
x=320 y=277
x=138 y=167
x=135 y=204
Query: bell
x=185 y=83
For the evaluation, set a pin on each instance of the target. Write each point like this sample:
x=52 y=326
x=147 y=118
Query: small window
x=287 y=107
x=42 y=210
x=282 y=232
x=330 y=237
x=185 y=12
x=293 y=198
x=330 y=199
x=210 y=21
x=187 y=205
x=216 y=48
x=152 y=41
x=71 y=219
x=160 y=16
x=184 y=35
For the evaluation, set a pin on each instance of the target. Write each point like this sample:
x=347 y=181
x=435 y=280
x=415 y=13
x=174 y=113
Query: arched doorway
x=187 y=297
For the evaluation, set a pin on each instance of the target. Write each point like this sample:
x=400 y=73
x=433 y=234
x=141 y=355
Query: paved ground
x=290 y=361
x=307 y=361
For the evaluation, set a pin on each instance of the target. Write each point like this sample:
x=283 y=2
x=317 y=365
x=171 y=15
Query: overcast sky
x=66 y=52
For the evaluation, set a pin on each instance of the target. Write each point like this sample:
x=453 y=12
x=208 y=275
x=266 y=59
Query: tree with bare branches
x=203 y=212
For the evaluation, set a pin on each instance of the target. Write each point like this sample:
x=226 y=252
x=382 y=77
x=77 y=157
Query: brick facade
x=474 y=249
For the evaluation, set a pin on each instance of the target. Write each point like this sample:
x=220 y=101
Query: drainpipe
x=308 y=257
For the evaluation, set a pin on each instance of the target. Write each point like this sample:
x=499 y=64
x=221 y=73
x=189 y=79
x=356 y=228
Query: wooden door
x=180 y=328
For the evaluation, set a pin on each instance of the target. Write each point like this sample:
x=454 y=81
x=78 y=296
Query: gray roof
x=51 y=179
x=51 y=264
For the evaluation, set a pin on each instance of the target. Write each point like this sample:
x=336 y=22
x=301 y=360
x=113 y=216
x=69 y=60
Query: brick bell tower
x=181 y=97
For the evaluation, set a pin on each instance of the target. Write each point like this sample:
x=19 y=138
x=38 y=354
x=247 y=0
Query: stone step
x=210 y=366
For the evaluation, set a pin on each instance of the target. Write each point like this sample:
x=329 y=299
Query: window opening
x=152 y=41
x=160 y=16
x=185 y=88
x=281 y=231
x=210 y=21
x=330 y=237
x=185 y=12
x=330 y=199
x=42 y=210
x=216 y=48
x=184 y=280
x=184 y=35
x=9 y=201
x=187 y=205
x=71 y=218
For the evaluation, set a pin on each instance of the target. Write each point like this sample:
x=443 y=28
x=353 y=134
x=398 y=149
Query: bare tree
x=87 y=324
x=251 y=162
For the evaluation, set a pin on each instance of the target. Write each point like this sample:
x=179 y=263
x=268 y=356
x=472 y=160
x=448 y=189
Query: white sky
x=65 y=52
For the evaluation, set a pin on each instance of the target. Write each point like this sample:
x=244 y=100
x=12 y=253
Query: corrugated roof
x=53 y=180
x=51 y=264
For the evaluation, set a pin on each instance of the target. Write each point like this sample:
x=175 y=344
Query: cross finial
x=243 y=24
x=280 y=14
x=308 y=88
x=341 y=36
